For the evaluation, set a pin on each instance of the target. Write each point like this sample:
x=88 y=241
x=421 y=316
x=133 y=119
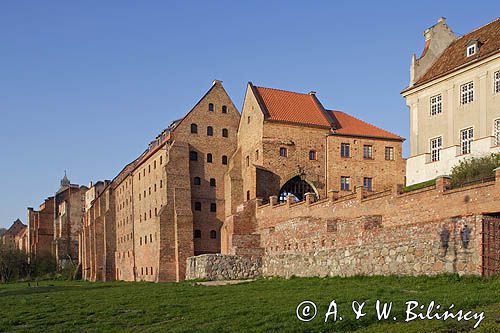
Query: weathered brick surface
x=223 y=267
x=41 y=227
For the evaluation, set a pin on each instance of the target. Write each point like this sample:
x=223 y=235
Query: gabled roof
x=293 y=107
x=306 y=109
x=15 y=228
x=352 y=126
x=454 y=56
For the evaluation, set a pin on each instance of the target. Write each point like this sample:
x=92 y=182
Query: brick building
x=15 y=236
x=69 y=209
x=288 y=143
x=41 y=228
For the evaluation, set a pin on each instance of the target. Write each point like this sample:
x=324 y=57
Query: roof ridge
x=283 y=90
x=365 y=122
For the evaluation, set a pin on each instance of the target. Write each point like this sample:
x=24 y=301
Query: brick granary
x=287 y=187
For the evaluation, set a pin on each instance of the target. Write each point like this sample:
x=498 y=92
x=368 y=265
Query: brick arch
x=298 y=186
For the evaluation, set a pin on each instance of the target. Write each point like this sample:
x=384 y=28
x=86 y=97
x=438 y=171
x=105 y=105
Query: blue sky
x=85 y=85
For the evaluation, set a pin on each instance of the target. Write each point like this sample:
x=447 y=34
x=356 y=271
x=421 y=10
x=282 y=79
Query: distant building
x=454 y=99
x=15 y=236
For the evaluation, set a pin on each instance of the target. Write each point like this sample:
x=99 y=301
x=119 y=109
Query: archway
x=296 y=186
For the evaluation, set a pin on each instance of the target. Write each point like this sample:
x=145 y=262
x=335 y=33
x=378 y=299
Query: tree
x=475 y=169
x=13 y=264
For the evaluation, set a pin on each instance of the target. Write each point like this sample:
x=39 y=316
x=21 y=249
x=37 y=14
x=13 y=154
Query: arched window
x=210 y=107
x=225 y=133
x=224 y=109
x=210 y=131
x=193 y=156
x=209 y=158
x=312 y=155
x=296 y=187
x=197 y=180
x=194 y=128
x=213 y=182
x=197 y=206
x=224 y=159
x=197 y=233
x=213 y=234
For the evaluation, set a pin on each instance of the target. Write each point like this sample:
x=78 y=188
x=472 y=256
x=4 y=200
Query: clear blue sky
x=85 y=85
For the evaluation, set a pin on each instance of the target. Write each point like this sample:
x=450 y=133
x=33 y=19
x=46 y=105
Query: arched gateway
x=298 y=187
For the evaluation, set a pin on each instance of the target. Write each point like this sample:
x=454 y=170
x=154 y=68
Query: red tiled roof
x=454 y=56
x=293 y=107
x=349 y=125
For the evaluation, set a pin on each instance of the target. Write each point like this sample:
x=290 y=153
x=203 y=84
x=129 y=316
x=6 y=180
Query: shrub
x=13 y=264
x=474 y=169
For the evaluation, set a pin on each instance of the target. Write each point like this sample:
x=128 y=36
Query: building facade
x=41 y=228
x=15 y=237
x=454 y=100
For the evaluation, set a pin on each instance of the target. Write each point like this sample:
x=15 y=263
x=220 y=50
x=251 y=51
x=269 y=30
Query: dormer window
x=471 y=50
x=472 y=47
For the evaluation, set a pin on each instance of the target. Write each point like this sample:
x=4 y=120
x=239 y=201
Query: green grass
x=266 y=305
x=418 y=186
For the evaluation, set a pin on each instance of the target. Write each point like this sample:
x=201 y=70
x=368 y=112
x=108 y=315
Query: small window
x=197 y=206
x=193 y=156
x=213 y=207
x=161 y=183
x=213 y=182
x=257 y=154
x=248 y=195
x=389 y=153
x=213 y=234
x=161 y=160
x=471 y=50
x=145 y=239
x=248 y=120
x=197 y=233
x=197 y=180
x=209 y=158
x=344 y=183
x=312 y=155
x=154 y=164
x=436 y=105
x=466 y=138
x=210 y=131
x=248 y=160
x=155 y=187
x=467 y=93
x=210 y=107
x=344 y=150
x=497 y=82
x=224 y=159
x=225 y=133
x=224 y=109
x=496 y=132
x=283 y=152
x=367 y=183
x=436 y=146
x=368 y=152
x=194 y=128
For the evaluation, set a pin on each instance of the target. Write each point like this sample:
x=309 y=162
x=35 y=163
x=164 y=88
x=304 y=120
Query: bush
x=474 y=169
x=13 y=264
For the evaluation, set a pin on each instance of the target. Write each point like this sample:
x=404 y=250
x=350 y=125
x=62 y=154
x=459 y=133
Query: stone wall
x=223 y=267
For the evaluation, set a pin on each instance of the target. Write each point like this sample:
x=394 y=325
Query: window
x=368 y=152
x=467 y=93
x=161 y=160
x=161 y=183
x=139 y=197
x=283 y=152
x=497 y=82
x=209 y=158
x=436 y=146
x=344 y=150
x=224 y=159
x=367 y=183
x=210 y=131
x=344 y=183
x=197 y=180
x=210 y=107
x=436 y=105
x=213 y=207
x=197 y=233
x=225 y=133
x=389 y=153
x=257 y=154
x=224 y=109
x=213 y=234
x=213 y=182
x=496 y=132
x=312 y=155
x=466 y=137
x=248 y=160
x=471 y=50
x=154 y=164
x=248 y=195
x=193 y=156
x=197 y=206
x=155 y=187
x=248 y=120
x=194 y=128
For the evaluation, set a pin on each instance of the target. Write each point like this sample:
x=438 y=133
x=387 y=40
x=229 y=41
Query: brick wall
x=223 y=267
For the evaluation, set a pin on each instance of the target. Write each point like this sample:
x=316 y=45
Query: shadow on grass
x=47 y=289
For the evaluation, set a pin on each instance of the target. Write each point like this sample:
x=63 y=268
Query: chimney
x=312 y=93
x=216 y=81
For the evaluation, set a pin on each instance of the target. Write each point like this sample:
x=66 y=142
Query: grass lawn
x=266 y=305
